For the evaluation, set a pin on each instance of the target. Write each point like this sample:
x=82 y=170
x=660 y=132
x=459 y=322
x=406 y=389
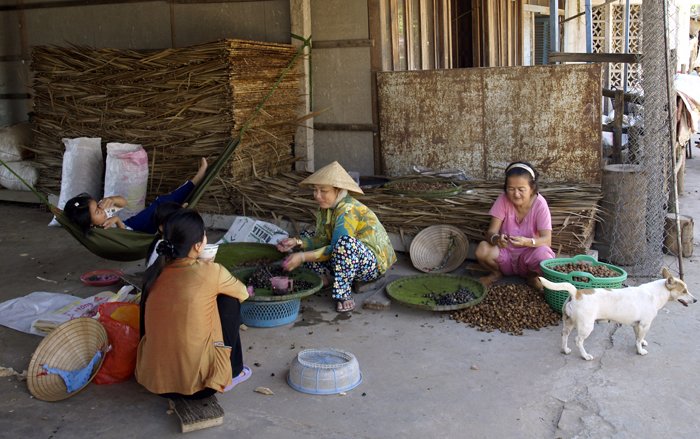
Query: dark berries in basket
x=253 y=262
x=260 y=278
x=462 y=295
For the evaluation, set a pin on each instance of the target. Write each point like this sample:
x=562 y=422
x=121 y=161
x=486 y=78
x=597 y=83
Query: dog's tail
x=559 y=286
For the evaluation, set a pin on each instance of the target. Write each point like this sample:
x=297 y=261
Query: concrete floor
x=418 y=376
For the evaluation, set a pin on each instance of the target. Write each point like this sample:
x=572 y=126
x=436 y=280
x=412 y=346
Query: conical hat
x=332 y=175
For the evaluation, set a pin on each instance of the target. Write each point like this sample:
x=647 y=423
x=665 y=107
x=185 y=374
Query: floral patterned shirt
x=350 y=218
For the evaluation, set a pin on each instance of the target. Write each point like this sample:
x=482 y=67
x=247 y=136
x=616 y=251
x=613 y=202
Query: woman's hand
x=502 y=241
x=520 y=241
x=286 y=245
x=292 y=262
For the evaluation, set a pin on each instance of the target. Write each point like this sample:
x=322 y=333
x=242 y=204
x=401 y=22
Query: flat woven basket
x=556 y=299
x=411 y=290
x=69 y=347
x=439 y=249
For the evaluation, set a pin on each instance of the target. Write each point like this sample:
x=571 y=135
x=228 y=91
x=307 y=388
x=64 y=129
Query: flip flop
x=342 y=303
x=488 y=281
x=239 y=379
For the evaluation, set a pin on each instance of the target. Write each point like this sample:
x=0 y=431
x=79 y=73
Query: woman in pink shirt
x=520 y=234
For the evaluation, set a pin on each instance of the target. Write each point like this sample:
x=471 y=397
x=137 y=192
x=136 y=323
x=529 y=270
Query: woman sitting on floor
x=520 y=234
x=349 y=239
x=85 y=212
x=190 y=316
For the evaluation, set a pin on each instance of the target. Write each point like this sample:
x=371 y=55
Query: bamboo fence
x=180 y=104
x=573 y=207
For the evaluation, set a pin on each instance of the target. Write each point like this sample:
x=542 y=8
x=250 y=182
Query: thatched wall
x=180 y=104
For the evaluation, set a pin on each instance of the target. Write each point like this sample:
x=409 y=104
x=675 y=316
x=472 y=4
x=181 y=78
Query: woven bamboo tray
x=430 y=249
x=409 y=291
x=232 y=254
x=456 y=190
x=265 y=294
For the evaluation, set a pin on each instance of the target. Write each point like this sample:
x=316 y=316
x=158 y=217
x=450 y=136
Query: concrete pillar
x=300 y=16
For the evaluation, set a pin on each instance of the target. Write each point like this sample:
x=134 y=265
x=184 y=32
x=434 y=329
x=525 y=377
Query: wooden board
x=197 y=414
x=480 y=120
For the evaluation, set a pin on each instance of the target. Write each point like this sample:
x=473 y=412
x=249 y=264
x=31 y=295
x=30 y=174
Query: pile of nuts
x=600 y=271
x=422 y=186
x=510 y=308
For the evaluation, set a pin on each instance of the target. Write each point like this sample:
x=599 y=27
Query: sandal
x=240 y=378
x=488 y=281
x=342 y=302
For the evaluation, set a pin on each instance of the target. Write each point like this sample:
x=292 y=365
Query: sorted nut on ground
x=243 y=327
x=509 y=308
x=264 y=391
x=475 y=368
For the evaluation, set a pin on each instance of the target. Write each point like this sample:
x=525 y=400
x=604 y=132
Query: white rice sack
x=127 y=175
x=24 y=169
x=13 y=139
x=82 y=170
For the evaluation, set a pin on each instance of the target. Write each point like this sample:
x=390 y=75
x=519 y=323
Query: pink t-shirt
x=538 y=218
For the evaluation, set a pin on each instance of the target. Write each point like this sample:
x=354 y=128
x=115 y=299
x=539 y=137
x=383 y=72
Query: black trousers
x=230 y=315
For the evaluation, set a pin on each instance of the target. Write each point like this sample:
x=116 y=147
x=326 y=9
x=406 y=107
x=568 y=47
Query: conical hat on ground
x=332 y=175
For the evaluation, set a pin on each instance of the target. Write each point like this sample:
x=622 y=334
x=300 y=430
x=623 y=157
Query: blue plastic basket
x=269 y=314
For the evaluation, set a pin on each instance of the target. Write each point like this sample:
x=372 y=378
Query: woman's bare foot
x=346 y=305
x=200 y=173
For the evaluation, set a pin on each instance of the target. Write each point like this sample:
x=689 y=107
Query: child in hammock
x=85 y=212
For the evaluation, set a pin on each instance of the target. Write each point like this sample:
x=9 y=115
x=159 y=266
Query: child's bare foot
x=200 y=173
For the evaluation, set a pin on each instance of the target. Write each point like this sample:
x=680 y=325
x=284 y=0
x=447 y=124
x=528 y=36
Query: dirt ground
x=418 y=374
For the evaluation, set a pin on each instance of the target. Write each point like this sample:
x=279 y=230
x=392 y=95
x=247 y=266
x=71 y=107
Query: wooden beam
x=15 y=96
x=341 y=44
x=629 y=97
x=74 y=3
x=374 y=10
x=11 y=58
x=617 y=127
x=300 y=21
x=346 y=127
x=629 y=58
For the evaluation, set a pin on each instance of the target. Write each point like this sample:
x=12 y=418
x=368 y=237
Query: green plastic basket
x=556 y=299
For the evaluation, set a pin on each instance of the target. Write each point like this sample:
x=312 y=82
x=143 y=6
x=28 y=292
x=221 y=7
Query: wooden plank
x=393 y=11
x=385 y=34
x=375 y=60
x=11 y=58
x=410 y=36
x=10 y=96
x=172 y=27
x=346 y=127
x=340 y=44
x=19 y=196
x=617 y=127
x=629 y=58
x=197 y=414
x=424 y=37
x=74 y=3
x=24 y=47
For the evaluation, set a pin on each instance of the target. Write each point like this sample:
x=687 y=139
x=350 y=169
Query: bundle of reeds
x=573 y=207
x=180 y=104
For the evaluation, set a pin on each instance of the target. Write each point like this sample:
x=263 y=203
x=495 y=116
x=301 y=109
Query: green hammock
x=128 y=245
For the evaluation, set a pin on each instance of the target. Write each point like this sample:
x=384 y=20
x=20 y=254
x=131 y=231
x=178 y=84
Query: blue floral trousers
x=350 y=260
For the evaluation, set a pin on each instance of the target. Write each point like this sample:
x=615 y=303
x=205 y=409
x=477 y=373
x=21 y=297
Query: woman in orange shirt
x=190 y=315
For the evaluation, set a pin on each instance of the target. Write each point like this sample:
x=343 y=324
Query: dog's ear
x=670 y=282
x=665 y=273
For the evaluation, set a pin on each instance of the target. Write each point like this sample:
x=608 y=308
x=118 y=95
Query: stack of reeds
x=573 y=207
x=180 y=104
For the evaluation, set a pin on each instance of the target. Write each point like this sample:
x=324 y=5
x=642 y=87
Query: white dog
x=632 y=306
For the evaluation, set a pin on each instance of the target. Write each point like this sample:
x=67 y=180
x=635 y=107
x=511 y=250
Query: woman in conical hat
x=349 y=240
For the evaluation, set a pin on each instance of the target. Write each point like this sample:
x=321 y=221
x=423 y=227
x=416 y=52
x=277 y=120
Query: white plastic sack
x=82 y=170
x=127 y=175
x=246 y=229
x=20 y=313
x=24 y=169
x=13 y=139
